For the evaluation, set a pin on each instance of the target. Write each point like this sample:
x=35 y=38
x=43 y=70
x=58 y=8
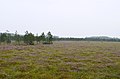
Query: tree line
x=98 y=38
x=28 y=38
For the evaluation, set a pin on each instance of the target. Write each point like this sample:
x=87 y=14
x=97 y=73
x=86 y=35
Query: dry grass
x=62 y=60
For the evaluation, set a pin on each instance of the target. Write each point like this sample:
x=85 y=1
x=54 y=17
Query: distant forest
x=30 y=39
x=97 y=38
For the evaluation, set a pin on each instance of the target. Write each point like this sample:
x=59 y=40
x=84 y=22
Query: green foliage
x=49 y=37
x=42 y=37
x=3 y=37
x=17 y=37
x=29 y=38
x=8 y=39
x=37 y=39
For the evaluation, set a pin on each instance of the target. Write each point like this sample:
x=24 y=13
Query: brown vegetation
x=61 y=60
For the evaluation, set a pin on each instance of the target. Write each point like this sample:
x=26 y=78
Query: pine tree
x=17 y=38
x=3 y=37
x=49 y=37
x=29 y=38
x=8 y=38
x=42 y=37
x=37 y=38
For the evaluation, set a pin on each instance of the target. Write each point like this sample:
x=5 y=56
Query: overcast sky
x=70 y=18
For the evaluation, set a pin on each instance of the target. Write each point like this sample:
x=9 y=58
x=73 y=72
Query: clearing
x=62 y=60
